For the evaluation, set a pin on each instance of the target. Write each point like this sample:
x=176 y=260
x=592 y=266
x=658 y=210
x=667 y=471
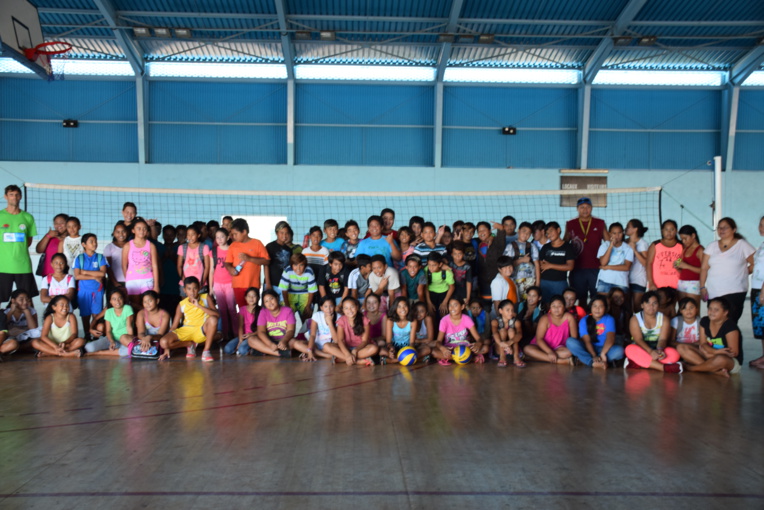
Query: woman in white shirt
x=726 y=266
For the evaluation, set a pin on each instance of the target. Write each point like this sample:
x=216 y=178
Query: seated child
x=719 y=350
x=323 y=330
x=200 y=323
x=7 y=345
x=90 y=272
x=298 y=284
x=400 y=332
x=455 y=329
x=383 y=280
x=354 y=345
x=372 y=312
x=596 y=345
x=247 y=322
x=685 y=327
x=552 y=334
x=425 y=333
x=502 y=286
x=529 y=312
x=59 y=331
x=151 y=323
x=413 y=280
x=21 y=317
x=119 y=332
x=480 y=318
x=507 y=332
x=570 y=297
x=358 y=281
x=275 y=329
x=333 y=278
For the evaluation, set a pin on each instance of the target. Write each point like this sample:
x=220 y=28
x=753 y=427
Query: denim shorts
x=635 y=287
x=604 y=287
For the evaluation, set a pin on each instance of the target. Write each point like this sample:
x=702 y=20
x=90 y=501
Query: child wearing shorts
x=200 y=322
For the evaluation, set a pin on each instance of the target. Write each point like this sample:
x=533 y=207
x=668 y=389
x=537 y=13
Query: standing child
x=615 y=259
x=689 y=264
x=405 y=236
x=317 y=255
x=413 y=280
x=193 y=257
x=383 y=281
x=59 y=282
x=353 y=342
x=118 y=321
x=332 y=242
x=113 y=254
x=637 y=274
x=71 y=246
x=151 y=323
x=90 y=272
x=507 y=332
x=247 y=322
x=322 y=329
x=455 y=329
x=59 y=331
x=200 y=323
x=21 y=317
x=358 y=281
x=140 y=264
x=502 y=286
x=298 y=284
x=525 y=257
x=685 y=327
x=352 y=231
x=400 y=332
x=440 y=285
x=428 y=244
x=333 y=280
x=221 y=284
x=462 y=272
x=275 y=329
x=552 y=334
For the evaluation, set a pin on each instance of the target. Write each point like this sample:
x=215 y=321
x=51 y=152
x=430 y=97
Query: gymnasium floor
x=97 y=433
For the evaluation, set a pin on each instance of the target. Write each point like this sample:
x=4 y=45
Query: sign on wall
x=584 y=184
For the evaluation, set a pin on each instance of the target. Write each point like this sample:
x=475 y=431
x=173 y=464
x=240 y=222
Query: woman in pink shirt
x=661 y=271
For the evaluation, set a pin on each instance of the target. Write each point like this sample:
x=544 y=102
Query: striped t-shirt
x=293 y=283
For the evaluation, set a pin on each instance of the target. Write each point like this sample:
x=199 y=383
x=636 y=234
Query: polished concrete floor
x=265 y=433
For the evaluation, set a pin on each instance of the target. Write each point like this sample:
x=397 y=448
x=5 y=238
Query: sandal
x=444 y=362
x=519 y=363
x=383 y=360
x=479 y=358
x=502 y=364
x=369 y=362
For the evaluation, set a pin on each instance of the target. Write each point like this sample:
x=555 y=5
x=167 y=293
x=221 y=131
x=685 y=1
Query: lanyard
x=585 y=231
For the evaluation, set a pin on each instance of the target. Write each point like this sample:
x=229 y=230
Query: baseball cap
x=584 y=200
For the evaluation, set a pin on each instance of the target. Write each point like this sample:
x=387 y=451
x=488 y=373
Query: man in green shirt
x=17 y=228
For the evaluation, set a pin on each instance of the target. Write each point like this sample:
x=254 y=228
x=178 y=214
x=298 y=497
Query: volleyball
x=407 y=356
x=462 y=354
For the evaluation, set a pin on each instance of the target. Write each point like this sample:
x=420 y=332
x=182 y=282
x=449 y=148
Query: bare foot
x=723 y=372
x=599 y=364
x=565 y=361
x=165 y=355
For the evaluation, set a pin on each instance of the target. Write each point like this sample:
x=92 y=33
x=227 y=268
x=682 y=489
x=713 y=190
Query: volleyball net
x=99 y=208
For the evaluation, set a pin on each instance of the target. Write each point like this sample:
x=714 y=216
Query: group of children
x=439 y=288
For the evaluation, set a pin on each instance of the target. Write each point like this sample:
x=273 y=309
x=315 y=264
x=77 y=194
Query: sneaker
x=625 y=363
x=207 y=356
x=673 y=368
x=191 y=350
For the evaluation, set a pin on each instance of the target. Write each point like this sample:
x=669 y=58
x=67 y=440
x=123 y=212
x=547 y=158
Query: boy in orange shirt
x=244 y=259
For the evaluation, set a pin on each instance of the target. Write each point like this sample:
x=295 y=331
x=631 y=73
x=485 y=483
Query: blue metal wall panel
x=178 y=143
x=655 y=109
x=490 y=149
x=58 y=100
x=217 y=102
x=651 y=151
x=748 y=151
x=618 y=149
x=521 y=107
x=751 y=110
x=342 y=104
x=364 y=146
x=48 y=141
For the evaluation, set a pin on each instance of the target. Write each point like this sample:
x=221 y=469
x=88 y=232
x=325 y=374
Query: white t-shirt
x=323 y=333
x=393 y=282
x=758 y=268
x=689 y=334
x=638 y=274
x=72 y=249
x=728 y=271
x=114 y=252
x=56 y=288
x=618 y=256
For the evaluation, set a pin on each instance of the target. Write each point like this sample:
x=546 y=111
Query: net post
x=25 y=196
x=660 y=206
x=717 y=192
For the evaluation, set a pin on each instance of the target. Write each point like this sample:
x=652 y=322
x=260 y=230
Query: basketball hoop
x=42 y=54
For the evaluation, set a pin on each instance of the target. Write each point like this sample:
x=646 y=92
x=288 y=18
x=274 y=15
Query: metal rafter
x=749 y=63
x=286 y=42
x=599 y=56
x=445 y=52
x=133 y=52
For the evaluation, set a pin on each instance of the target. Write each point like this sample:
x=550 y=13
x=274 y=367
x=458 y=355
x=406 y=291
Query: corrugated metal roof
x=548 y=58
x=217 y=6
x=173 y=50
x=655 y=58
x=701 y=10
x=350 y=54
x=412 y=8
x=544 y=9
x=94 y=48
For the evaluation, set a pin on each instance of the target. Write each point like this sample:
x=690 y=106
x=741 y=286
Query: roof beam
x=445 y=52
x=7 y=51
x=749 y=63
x=133 y=52
x=286 y=42
x=599 y=56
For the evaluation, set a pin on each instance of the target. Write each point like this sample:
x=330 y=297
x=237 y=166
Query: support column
x=438 y=131
x=290 y=122
x=142 y=106
x=584 y=117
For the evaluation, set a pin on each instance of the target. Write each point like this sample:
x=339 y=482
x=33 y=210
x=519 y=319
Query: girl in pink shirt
x=455 y=329
x=193 y=258
x=221 y=284
x=353 y=345
x=661 y=258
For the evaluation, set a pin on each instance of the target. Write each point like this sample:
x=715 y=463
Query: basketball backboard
x=20 y=30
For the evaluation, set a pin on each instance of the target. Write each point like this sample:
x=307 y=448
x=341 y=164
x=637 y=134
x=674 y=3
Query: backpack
x=516 y=250
x=201 y=252
x=135 y=352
